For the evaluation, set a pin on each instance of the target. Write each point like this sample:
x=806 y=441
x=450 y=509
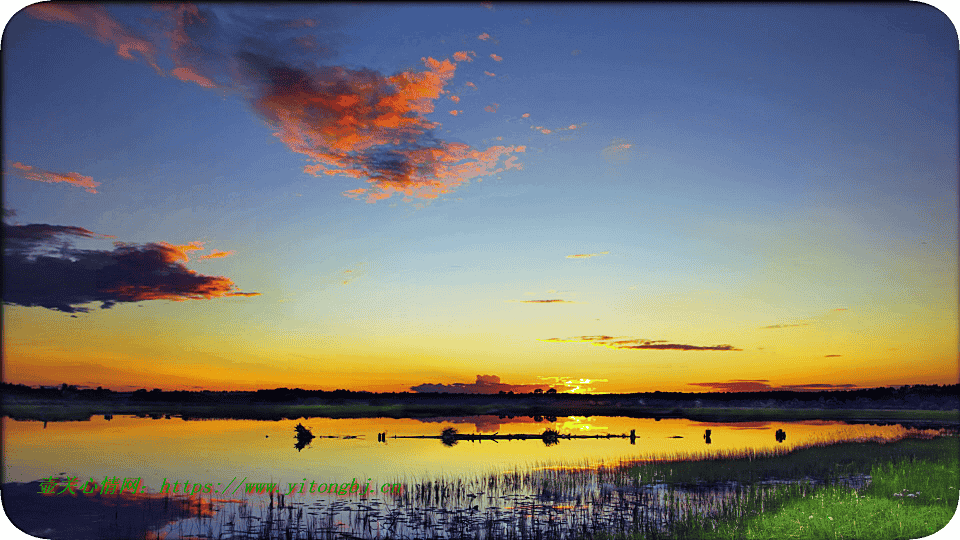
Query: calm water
x=225 y=453
x=212 y=451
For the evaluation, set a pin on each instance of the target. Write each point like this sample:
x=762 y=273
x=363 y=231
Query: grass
x=905 y=500
x=823 y=459
x=914 y=492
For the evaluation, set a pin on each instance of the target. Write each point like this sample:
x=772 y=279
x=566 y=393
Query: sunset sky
x=477 y=197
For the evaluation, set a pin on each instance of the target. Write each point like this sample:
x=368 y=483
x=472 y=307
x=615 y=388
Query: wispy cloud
x=496 y=57
x=464 y=56
x=215 y=254
x=550 y=301
x=617 y=152
x=485 y=384
x=587 y=255
x=40 y=175
x=639 y=343
x=42 y=269
x=762 y=385
x=484 y=36
x=831 y=356
x=95 y=21
x=807 y=321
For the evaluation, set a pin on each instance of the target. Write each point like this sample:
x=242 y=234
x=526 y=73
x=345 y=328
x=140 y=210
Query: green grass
x=748 y=466
x=913 y=493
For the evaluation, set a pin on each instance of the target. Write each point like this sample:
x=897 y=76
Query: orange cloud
x=366 y=126
x=490 y=74
x=471 y=85
x=484 y=36
x=40 y=175
x=454 y=112
x=179 y=253
x=639 y=343
x=775 y=326
x=491 y=108
x=587 y=255
x=455 y=99
x=183 y=49
x=95 y=20
x=464 y=56
x=526 y=115
x=763 y=385
x=495 y=57
x=356 y=123
x=215 y=254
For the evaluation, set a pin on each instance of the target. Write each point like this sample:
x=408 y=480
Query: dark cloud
x=783 y=326
x=42 y=269
x=832 y=356
x=485 y=384
x=640 y=343
x=761 y=385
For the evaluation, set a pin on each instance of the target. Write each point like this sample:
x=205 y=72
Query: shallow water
x=478 y=489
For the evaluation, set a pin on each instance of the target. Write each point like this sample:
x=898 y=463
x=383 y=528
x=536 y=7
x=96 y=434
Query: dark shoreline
x=919 y=406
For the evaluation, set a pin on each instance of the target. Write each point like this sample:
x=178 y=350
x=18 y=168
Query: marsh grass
x=909 y=499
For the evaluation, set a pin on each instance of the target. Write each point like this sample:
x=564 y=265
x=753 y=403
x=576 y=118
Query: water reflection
x=463 y=488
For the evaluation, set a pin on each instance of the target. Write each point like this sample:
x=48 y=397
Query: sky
x=480 y=197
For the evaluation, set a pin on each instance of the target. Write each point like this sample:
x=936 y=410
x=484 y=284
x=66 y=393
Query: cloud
x=95 y=21
x=587 y=255
x=496 y=58
x=490 y=74
x=485 y=384
x=774 y=326
x=40 y=175
x=551 y=301
x=805 y=322
x=215 y=254
x=42 y=269
x=617 y=152
x=639 y=343
x=762 y=385
x=492 y=107
x=464 y=56
x=484 y=36
x=832 y=356
x=351 y=122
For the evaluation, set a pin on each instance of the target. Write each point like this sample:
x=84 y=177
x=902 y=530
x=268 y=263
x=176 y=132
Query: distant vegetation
x=67 y=402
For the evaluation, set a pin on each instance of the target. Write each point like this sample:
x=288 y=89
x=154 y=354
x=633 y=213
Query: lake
x=471 y=485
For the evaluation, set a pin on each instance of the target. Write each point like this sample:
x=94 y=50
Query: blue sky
x=779 y=179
